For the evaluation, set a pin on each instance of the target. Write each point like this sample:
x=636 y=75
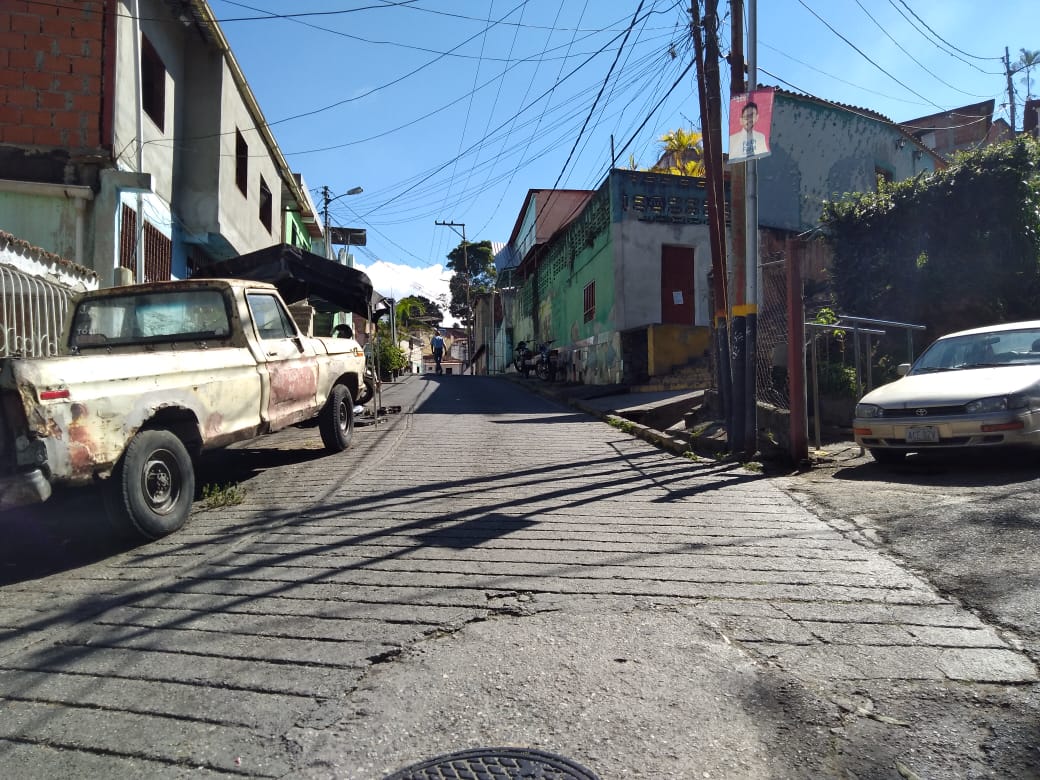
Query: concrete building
x=619 y=278
x=131 y=143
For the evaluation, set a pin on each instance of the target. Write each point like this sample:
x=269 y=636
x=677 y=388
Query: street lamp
x=327 y=200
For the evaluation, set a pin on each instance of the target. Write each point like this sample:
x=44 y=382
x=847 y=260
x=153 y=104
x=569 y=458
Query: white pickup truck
x=151 y=375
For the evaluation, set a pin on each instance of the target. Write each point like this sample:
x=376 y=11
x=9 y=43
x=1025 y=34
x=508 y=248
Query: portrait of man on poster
x=750 y=119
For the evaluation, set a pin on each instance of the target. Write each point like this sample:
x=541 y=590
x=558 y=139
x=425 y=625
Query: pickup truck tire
x=336 y=421
x=153 y=486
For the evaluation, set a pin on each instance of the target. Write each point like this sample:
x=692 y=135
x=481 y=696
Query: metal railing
x=861 y=340
x=857 y=330
x=32 y=314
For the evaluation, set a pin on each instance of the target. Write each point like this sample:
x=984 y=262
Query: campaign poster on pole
x=750 y=122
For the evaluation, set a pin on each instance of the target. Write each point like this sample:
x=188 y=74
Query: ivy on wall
x=952 y=250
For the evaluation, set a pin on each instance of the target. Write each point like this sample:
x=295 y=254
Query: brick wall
x=51 y=73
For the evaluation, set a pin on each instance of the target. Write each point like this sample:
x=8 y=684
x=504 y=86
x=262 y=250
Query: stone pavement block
x=44 y=762
x=852 y=662
x=385 y=609
x=950 y=636
x=135 y=734
x=780 y=630
x=265 y=711
x=248 y=674
x=997 y=666
x=279 y=649
x=845 y=633
x=928 y=613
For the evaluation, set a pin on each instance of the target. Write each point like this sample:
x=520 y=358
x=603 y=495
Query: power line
x=933 y=32
x=617 y=56
x=911 y=56
x=864 y=55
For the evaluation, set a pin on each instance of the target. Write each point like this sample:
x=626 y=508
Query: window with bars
x=589 y=305
x=158 y=249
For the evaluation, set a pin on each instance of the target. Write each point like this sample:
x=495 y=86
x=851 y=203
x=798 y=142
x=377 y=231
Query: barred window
x=590 y=301
x=158 y=249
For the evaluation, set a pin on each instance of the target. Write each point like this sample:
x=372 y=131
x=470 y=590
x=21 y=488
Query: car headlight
x=997 y=403
x=868 y=410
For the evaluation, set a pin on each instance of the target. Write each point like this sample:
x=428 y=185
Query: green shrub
x=391 y=357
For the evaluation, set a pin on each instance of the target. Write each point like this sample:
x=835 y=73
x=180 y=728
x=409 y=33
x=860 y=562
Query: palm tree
x=1027 y=61
x=683 y=153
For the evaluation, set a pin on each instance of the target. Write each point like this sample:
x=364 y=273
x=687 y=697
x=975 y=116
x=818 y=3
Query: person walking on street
x=437 y=344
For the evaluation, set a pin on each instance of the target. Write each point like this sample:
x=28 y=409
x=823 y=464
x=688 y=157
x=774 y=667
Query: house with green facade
x=616 y=278
x=619 y=278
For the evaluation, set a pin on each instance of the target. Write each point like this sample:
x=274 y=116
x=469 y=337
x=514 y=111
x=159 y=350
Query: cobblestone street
x=491 y=568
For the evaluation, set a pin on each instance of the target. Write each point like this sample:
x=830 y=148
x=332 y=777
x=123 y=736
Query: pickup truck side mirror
x=903 y=369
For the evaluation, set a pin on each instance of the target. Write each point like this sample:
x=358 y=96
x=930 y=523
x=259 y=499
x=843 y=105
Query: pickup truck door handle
x=272 y=354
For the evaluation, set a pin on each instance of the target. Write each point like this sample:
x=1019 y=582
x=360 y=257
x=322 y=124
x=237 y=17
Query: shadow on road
x=962 y=469
x=72 y=528
x=68 y=531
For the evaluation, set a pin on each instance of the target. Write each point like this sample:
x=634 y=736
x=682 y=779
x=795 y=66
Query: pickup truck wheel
x=154 y=485
x=336 y=422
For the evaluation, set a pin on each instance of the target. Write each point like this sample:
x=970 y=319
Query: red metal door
x=677 y=285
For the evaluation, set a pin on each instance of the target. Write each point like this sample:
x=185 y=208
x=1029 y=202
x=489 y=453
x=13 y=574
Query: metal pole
x=816 y=396
x=751 y=266
x=796 y=356
x=857 y=360
x=327 y=200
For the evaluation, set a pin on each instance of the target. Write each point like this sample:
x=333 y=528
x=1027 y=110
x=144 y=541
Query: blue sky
x=451 y=110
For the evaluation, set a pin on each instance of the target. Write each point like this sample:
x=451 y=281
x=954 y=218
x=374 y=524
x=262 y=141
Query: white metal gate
x=32 y=313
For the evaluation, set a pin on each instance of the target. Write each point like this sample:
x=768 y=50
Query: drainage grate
x=495 y=764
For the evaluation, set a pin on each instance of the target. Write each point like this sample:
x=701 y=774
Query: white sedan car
x=974 y=388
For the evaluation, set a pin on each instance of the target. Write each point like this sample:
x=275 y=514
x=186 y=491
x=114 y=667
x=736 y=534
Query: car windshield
x=980 y=350
x=183 y=315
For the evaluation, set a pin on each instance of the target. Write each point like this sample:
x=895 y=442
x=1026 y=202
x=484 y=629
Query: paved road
x=490 y=568
x=967 y=521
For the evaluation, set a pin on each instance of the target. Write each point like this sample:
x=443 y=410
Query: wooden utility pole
x=469 y=285
x=711 y=132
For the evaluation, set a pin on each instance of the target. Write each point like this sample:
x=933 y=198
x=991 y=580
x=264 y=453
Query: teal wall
x=821 y=151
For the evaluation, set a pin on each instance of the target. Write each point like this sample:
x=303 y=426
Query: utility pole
x=751 y=266
x=1011 y=88
x=469 y=283
x=326 y=200
x=736 y=427
x=708 y=94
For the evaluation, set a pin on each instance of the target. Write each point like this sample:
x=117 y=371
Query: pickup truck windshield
x=146 y=318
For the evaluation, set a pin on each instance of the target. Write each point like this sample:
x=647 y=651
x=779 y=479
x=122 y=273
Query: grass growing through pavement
x=216 y=496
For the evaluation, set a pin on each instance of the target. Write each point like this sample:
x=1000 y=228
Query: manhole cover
x=495 y=764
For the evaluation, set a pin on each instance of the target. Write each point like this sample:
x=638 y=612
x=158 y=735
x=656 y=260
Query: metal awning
x=301 y=275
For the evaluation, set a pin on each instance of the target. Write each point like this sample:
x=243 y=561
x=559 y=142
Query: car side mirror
x=903 y=369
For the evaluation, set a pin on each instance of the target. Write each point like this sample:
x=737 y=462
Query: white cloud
x=395 y=280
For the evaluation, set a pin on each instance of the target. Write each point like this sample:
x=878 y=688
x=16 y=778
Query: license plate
x=923 y=434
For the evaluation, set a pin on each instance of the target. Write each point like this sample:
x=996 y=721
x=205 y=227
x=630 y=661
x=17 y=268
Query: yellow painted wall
x=672 y=346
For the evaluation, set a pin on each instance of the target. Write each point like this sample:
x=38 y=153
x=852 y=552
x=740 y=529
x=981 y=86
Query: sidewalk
x=657 y=417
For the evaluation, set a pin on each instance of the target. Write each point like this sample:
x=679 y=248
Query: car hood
x=948 y=388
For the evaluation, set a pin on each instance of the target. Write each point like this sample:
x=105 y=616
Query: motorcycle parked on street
x=544 y=363
x=548 y=362
x=522 y=359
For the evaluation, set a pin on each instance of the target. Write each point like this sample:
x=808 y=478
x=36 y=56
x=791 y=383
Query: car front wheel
x=336 y=421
